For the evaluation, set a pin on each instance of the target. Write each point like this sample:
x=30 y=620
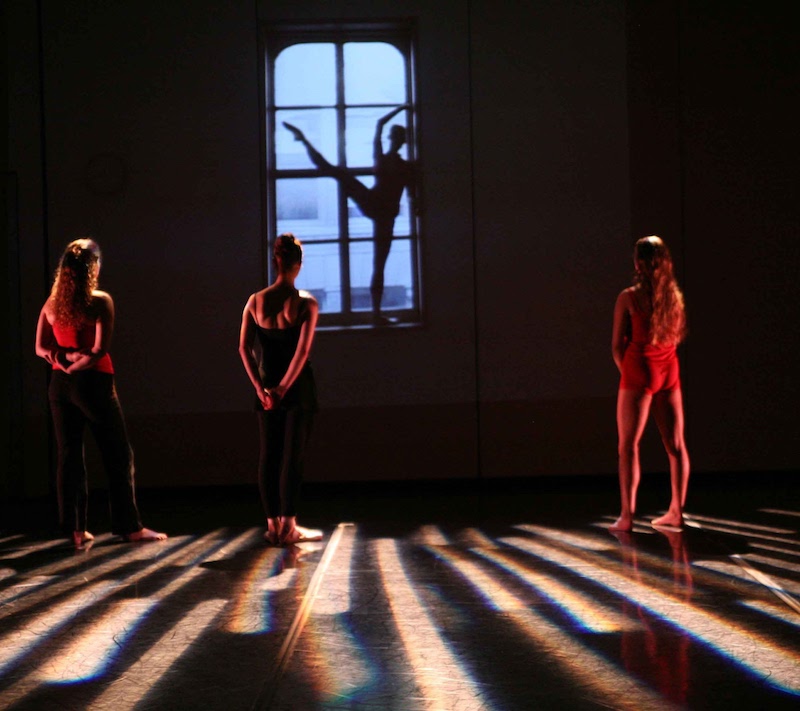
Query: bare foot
x=273 y=533
x=296 y=132
x=669 y=520
x=299 y=534
x=623 y=523
x=81 y=538
x=145 y=534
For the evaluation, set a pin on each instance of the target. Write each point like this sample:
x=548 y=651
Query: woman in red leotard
x=649 y=323
x=74 y=335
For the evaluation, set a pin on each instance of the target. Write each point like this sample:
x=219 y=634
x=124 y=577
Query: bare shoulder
x=308 y=297
x=102 y=301
x=625 y=296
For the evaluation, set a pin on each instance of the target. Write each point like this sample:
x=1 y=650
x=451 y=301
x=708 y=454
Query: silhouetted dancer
x=380 y=203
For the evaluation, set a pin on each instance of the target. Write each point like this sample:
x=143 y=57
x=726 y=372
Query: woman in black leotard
x=283 y=321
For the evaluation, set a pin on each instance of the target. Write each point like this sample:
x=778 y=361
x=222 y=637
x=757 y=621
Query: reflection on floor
x=407 y=610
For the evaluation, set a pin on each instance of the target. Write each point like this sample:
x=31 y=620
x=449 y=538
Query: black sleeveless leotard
x=278 y=346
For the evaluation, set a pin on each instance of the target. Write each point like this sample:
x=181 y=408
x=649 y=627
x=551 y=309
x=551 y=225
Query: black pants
x=89 y=398
x=283 y=435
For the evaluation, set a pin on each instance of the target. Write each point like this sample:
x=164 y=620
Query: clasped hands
x=270 y=397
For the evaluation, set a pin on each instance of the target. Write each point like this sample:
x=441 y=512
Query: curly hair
x=287 y=251
x=656 y=278
x=75 y=281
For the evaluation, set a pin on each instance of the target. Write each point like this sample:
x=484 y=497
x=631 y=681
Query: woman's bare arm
x=46 y=345
x=246 y=336
x=619 y=334
x=304 y=343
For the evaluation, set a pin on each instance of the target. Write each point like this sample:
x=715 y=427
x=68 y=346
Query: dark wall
x=712 y=96
x=552 y=134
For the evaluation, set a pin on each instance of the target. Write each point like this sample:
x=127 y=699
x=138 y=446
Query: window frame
x=277 y=37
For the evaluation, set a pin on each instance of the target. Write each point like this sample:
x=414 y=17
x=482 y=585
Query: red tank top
x=81 y=337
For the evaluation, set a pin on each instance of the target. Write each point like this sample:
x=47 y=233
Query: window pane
x=321 y=276
x=397 y=290
x=360 y=133
x=318 y=126
x=305 y=75
x=357 y=224
x=307 y=207
x=374 y=73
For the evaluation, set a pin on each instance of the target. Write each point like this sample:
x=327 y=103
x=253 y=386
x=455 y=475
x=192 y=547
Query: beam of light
x=774 y=549
x=126 y=692
x=776 y=611
x=734 y=531
x=89 y=655
x=26 y=585
x=92 y=651
x=740 y=524
x=772 y=562
x=6 y=573
x=601 y=678
x=38 y=629
x=740 y=572
x=35 y=548
x=578 y=540
x=250 y=609
x=97 y=647
x=270 y=687
x=340 y=672
x=475 y=538
x=773 y=664
x=20 y=639
x=781 y=512
x=334 y=598
x=444 y=683
x=588 y=614
x=15 y=537
x=13 y=605
x=769 y=582
x=429 y=536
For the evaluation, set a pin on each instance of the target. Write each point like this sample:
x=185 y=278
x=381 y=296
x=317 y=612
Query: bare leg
x=292 y=533
x=145 y=534
x=668 y=413
x=316 y=157
x=633 y=407
x=382 y=231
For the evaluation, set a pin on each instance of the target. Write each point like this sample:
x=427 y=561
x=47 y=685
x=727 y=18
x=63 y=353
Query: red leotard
x=81 y=338
x=648 y=367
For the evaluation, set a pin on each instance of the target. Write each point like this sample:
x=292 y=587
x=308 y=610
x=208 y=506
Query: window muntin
x=335 y=89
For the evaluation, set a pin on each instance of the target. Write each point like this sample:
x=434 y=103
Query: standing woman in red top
x=649 y=323
x=74 y=335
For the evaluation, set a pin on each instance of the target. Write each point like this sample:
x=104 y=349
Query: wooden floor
x=504 y=595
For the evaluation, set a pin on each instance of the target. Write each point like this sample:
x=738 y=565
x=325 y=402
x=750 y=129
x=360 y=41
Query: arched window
x=332 y=86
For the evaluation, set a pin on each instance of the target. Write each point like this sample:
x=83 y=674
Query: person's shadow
x=380 y=203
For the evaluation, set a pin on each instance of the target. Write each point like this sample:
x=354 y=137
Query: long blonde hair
x=74 y=283
x=656 y=280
